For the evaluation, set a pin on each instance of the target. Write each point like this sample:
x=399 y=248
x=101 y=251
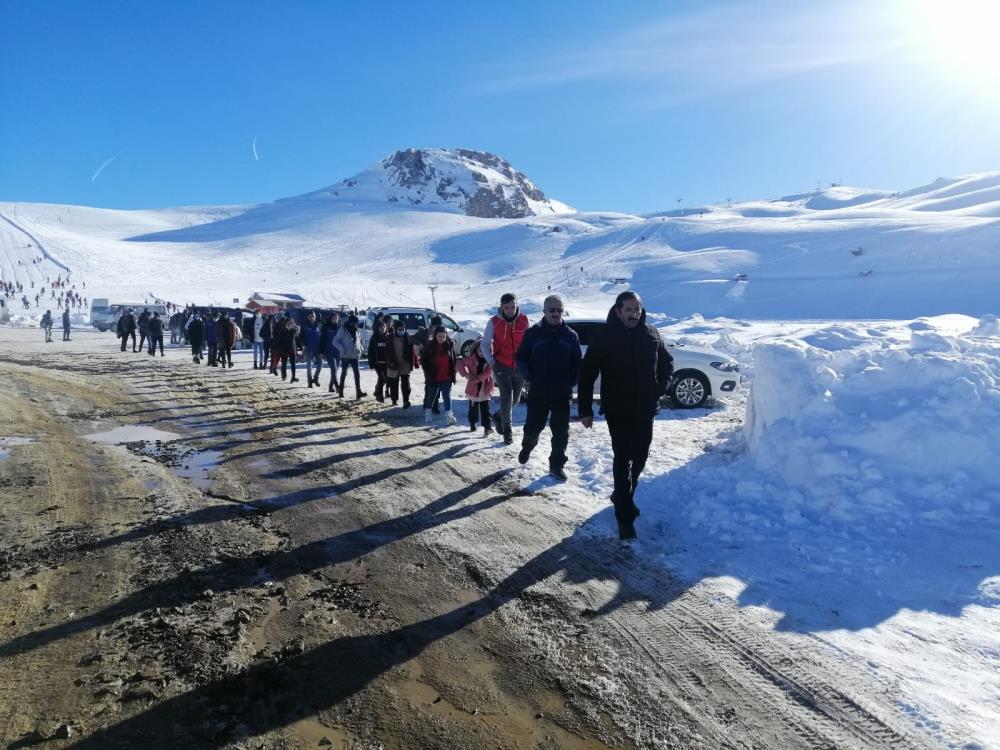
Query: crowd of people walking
x=514 y=357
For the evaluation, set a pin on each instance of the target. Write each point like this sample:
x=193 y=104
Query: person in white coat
x=258 y=341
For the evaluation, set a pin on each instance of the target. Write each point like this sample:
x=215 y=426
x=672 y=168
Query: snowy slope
x=839 y=253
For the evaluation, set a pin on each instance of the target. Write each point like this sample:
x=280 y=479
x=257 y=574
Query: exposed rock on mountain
x=475 y=183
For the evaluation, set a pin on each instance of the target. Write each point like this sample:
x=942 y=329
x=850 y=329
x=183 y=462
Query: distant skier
x=46 y=324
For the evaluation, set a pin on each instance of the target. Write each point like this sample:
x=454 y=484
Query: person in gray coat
x=346 y=342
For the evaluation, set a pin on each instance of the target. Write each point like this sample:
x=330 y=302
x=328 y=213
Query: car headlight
x=726 y=366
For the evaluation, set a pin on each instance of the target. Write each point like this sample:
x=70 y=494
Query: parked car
x=420 y=317
x=699 y=374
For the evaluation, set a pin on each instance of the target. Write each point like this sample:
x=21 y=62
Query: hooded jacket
x=635 y=369
x=346 y=341
x=400 y=355
x=479 y=373
x=502 y=338
x=328 y=334
x=428 y=361
x=285 y=338
x=226 y=332
x=196 y=330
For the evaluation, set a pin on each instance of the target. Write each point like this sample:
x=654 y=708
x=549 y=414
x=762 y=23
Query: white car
x=699 y=374
x=420 y=317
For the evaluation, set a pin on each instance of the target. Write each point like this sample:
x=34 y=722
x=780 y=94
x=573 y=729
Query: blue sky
x=618 y=106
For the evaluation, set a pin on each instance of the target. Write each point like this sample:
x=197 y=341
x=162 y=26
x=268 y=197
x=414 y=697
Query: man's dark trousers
x=630 y=441
x=556 y=411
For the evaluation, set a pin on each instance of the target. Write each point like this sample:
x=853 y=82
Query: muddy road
x=195 y=558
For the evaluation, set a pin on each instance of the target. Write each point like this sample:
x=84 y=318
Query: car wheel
x=689 y=390
x=467 y=348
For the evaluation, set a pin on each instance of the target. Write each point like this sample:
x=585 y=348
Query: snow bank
x=849 y=425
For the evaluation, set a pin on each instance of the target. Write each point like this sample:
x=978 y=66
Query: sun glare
x=960 y=36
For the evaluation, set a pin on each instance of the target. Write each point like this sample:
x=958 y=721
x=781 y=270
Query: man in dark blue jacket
x=635 y=370
x=549 y=359
x=313 y=344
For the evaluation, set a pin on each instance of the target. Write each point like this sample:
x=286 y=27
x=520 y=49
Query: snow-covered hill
x=412 y=221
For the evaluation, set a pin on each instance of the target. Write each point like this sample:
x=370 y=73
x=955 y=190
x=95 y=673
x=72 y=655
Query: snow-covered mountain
x=475 y=183
x=387 y=234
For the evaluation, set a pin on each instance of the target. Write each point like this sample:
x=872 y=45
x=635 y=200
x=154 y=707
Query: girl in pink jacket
x=479 y=389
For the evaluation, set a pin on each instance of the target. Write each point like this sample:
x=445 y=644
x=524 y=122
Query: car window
x=448 y=323
x=586 y=331
x=412 y=320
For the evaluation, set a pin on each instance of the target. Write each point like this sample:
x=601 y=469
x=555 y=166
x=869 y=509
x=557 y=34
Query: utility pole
x=679 y=206
x=433 y=288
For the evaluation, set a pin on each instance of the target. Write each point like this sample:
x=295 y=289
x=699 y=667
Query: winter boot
x=428 y=416
x=449 y=418
x=487 y=430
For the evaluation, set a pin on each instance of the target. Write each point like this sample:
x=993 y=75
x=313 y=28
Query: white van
x=104 y=316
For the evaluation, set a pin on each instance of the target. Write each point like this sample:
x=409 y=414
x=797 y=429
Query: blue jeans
x=433 y=389
x=258 y=352
x=313 y=358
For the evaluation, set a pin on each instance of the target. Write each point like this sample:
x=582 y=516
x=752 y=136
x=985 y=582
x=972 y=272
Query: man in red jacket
x=501 y=340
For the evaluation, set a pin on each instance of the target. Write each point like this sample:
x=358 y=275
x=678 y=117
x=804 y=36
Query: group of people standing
x=46 y=325
x=149 y=326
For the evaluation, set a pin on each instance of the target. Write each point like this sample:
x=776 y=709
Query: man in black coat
x=154 y=332
x=66 y=324
x=195 y=329
x=144 y=317
x=635 y=370
x=549 y=359
x=126 y=328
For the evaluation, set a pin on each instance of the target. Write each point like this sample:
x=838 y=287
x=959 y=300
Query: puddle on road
x=197 y=467
x=165 y=448
x=132 y=433
x=6 y=443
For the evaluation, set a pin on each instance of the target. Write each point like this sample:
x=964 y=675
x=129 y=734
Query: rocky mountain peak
x=476 y=183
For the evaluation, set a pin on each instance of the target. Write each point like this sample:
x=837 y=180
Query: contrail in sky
x=101 y=168
x=254 y=147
